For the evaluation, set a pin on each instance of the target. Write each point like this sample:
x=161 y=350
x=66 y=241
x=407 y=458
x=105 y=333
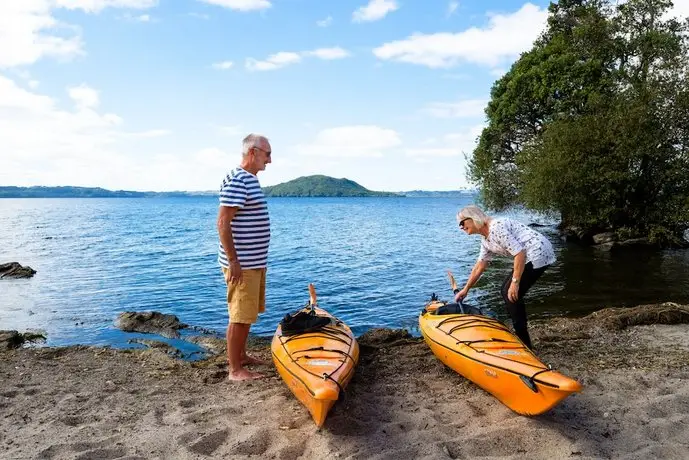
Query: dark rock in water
x=606 y=237
x=158 y=345
x=202 y=330
x=15 y=339
x=214 y=345
x=574 y=233
x=15 y=270
x=634 y=242
x=625 y=244
x=604 y=246
x=150 y=322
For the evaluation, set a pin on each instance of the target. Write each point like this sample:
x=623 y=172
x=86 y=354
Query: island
x=322 y=186
x=88 y=192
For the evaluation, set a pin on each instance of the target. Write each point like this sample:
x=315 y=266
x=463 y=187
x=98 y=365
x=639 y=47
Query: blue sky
x=157 y=94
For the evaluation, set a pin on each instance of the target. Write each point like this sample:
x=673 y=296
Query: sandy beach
x=100 y=403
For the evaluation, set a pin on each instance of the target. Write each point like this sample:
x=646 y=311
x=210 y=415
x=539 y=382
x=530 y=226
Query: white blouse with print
x=507 y=237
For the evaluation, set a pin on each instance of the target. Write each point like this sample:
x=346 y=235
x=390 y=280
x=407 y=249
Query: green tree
x=592 y=123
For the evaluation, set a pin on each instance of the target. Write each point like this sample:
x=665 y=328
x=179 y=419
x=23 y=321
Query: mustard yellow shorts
x=248 y=298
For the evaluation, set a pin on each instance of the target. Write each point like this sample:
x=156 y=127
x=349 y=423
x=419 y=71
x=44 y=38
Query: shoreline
x=82 y=402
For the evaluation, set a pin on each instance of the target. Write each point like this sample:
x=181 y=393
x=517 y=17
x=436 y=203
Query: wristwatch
x=515 y=280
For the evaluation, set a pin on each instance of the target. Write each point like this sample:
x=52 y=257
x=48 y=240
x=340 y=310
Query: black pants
x=517 y=310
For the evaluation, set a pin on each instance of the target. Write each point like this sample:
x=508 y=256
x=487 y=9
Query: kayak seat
x=303 y=322
x=454 y=308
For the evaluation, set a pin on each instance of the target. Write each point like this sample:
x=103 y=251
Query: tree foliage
x=593 y=122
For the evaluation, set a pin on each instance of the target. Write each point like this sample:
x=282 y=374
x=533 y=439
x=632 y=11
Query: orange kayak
x=486 y=352
x=317 y=363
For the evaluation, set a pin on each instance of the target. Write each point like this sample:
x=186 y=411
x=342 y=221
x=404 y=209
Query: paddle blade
x=452 y=281
x=312 y=292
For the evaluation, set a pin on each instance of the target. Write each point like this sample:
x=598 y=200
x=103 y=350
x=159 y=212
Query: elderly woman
x=532 y=253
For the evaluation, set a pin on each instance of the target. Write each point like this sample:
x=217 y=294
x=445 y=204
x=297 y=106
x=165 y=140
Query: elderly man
x=244 y=232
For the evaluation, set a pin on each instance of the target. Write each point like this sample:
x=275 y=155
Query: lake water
x=373 y=261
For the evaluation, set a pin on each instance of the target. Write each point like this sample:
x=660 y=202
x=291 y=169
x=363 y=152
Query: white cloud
x=33 y=31
x=84 y=96
x=24 y=25
x=504 y=38
x=140 y=18
x=285 y=58
x=223 y=65
x=451 y=145
x=205 y=17
x=325 y=22
x=329 y=53
x=468 y=108
x=240 y=5
x=96 y=6
x=76 y=146
x=274 y=61
x=13 y=97
x=33 y=84
x=451 y=8
x=351 y=141
x=230 y=130
x=200 y=170
x=374 y=10
x=150 y=133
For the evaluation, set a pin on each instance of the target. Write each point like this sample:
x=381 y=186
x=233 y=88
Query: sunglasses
x=267 y=152
x=461 y=222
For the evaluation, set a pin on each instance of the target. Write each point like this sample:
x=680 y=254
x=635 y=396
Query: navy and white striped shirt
x=251 y=225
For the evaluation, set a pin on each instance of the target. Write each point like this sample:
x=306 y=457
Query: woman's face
x=467 y=225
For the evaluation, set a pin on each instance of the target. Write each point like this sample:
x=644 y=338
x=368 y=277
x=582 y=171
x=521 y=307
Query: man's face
x=261 y=154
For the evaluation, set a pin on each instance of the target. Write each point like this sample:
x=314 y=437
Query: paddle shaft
x=455 y=289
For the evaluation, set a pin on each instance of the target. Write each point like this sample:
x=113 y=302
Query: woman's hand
x=513 y=292
x=461 y=294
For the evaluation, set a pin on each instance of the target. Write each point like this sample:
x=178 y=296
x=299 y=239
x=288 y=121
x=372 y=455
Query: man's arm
x=225 y=216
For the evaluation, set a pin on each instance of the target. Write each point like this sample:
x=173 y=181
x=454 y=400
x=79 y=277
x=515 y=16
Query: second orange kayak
x=486 y=352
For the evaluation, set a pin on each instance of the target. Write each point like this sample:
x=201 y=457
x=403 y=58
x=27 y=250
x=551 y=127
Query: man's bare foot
x=246 y=359
x=243 y=374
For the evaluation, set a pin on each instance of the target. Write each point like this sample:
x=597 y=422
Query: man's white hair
x=251 y=141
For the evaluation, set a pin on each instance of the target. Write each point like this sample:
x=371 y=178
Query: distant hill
x=320 y=185
x=86 y=192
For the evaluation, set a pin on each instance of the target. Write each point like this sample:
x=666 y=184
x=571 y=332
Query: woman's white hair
x=251 y=141
x=474 y=213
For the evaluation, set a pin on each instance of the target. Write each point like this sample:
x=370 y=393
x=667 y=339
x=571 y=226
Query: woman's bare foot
x=243 y=374
x=246 y=360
